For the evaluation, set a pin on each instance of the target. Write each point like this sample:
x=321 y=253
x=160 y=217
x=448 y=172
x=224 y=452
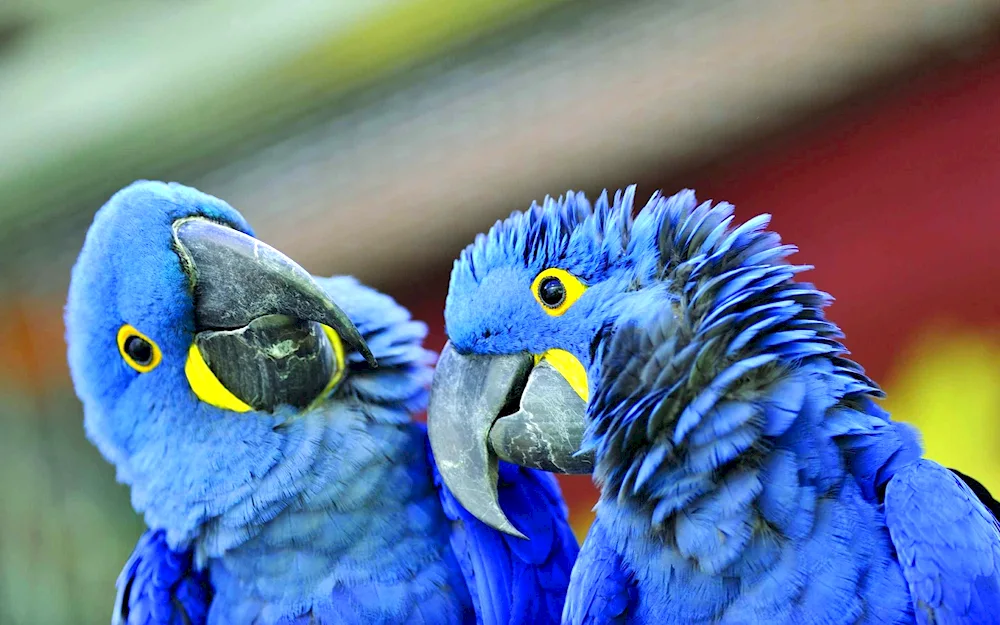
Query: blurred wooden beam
x=402 y=174
x=158 y=89
x=590 y=103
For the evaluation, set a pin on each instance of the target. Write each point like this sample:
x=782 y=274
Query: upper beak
x=259 y=317
x=470 y=427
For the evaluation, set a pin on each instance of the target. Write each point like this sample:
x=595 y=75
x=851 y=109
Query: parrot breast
x=363 y=538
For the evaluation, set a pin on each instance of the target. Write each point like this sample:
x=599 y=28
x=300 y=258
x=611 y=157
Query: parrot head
x=535 y=315
x=189 y=339
x=528 y=305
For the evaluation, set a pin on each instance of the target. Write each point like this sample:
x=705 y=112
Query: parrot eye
x=552 y=292
x=138 y=351
x=556 y=290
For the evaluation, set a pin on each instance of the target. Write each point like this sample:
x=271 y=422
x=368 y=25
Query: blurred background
x=376 y=138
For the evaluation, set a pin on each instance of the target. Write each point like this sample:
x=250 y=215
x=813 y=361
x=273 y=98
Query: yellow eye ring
x=138 y=350
x=556 y=290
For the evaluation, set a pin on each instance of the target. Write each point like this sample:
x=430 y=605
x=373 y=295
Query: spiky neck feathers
x=709 y=341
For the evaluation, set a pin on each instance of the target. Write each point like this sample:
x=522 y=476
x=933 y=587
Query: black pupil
x=552 y=292
x=139 y=350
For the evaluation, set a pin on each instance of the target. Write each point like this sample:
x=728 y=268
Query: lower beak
x=267 y=332
x=274 y=360
x=487 y=408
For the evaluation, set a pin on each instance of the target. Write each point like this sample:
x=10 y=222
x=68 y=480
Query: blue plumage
x=159 y=585
x=951 y=575
x=326 y=514
x=497 y=566
x=746 y=474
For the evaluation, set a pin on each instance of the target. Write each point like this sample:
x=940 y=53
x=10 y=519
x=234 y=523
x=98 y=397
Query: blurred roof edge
x=151 y=89
x=585 y=94
x=675 y=83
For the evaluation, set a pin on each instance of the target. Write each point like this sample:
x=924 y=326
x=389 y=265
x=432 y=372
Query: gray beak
x=487 y=408
x=258 y=317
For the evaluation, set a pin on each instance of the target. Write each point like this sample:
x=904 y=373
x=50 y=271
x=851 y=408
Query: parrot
x=263 y=420
x=746 y=471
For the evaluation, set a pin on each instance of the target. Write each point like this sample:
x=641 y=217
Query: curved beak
x=487 y=408
x=260 y=317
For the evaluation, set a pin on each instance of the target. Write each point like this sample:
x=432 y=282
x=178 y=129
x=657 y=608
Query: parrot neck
x=359 y=526
x=728 y=539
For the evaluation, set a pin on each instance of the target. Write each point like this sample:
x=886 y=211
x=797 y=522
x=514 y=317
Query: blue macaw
x=263 y=420
x=746 y=475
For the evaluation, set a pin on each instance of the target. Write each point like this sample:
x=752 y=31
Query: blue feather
x=783 y=405
x=650 y=464
x=724 y=418
x=722 y=450
x=749 y=334
x=693 y=414
x=514 y=580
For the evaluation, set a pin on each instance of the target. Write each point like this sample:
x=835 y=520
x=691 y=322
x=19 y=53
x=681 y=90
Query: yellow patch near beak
x=210 y=390
x=570 y=368
x=340 y=363
x=207 y=387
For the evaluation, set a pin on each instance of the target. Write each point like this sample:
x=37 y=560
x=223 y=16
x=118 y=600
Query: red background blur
x=895 y=199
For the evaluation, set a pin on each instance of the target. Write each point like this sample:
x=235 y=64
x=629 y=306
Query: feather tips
x=160 y=585
x=948 y=545
x=512 y=580
x=548 y=232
